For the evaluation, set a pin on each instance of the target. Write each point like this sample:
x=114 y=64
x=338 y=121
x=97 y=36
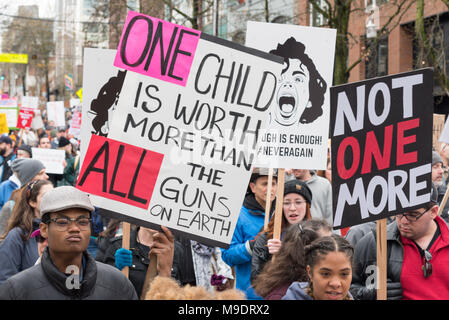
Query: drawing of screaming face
x=293 y=93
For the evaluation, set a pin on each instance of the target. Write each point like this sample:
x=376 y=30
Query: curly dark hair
x=289 y=263
x=292 y=49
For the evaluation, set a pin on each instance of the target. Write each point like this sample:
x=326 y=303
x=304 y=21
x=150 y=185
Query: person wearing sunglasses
x=417 y=255
x=67 y=271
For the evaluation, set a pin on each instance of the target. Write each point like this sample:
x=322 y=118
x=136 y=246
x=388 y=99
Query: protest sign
x=79 y=93
x=30 y=102
x=102 y=84
x=10 y=109
x=3 y=124
x=75 y=104
x=75 y=124
x=37 y=122
x=201 y=135
x=381 y=146
x=299 y=119
x=56 y=113
x=52 y=159
x=25 y=118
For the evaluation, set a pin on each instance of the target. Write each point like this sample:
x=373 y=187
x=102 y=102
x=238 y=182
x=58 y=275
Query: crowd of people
x=54 y=244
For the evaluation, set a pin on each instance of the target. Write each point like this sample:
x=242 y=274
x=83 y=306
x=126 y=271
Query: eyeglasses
x=62 y=223
x=427 y=266
x=296 y=203
x=412 y=216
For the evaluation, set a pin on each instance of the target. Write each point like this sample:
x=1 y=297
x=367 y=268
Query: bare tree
x=431 y=51
x=337 y=15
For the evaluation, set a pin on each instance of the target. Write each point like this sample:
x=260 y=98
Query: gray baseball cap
x=62 y=198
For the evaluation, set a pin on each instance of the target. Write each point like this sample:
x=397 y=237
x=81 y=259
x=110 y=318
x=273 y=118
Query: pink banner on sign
x=5 y=96
x=157 y=48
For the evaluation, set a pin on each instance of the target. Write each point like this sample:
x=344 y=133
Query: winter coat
x=16 y=255
x=5 y=214
x=6 y=189
x=277 y=293
x=365 y=256
x=5 y=166
x=250 y=222
x=296 y=291
x=140 y=260
x=261 y=255
x=321 y=207
x=45 y=282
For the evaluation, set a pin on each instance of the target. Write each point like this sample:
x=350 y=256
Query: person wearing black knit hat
x=296 y=208
x=24 y=151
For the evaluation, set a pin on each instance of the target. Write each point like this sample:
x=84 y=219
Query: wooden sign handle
x=150 y=275
x=126 y=227
x=279 y=201
x=268 y=203
x=20 y=138
x=381 y=259
x=443 y=202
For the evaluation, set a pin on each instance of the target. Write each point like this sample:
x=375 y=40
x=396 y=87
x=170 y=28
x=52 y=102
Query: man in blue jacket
x=251 y=221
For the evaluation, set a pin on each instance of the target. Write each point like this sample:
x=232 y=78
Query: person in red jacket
x=418 y=255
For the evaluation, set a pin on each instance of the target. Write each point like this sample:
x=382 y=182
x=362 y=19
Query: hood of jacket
x=59 y=279
x=254 y=207
x=296 y=291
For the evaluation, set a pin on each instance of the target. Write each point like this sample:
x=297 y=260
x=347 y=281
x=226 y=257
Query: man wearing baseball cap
x=66 y=270
x=251 y=220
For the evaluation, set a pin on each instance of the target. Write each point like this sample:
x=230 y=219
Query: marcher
x=142 y=241
x=322 y=193
x=18 y=251
x=7 y=156
x=438 y=181
x=250 y=222
x=329 y=269
x=296 y=208
x=24 y=171
x=104 y=238
x=289 y=265
x=24 y=151
x=67 y=178
x=66 y=270
x=417 y=255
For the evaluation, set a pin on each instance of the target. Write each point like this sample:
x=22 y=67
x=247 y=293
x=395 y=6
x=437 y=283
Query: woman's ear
x=33 y=204
x=309 y=272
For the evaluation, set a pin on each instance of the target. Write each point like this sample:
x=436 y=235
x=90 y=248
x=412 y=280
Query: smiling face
x=331 y=276
x=293 y=93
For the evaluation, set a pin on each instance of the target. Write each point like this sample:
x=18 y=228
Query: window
x=370 y=5
x=316 y=18
x=376 y=64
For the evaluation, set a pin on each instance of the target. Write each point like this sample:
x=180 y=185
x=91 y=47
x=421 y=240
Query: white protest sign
x=56 y=113
x=101 y=86
x=10 y=109
x=299 y=119
x=37 y=122
x=75 y=103
x=30 y=102
x=181 y=152
x=444 y=137
x=52 y=159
